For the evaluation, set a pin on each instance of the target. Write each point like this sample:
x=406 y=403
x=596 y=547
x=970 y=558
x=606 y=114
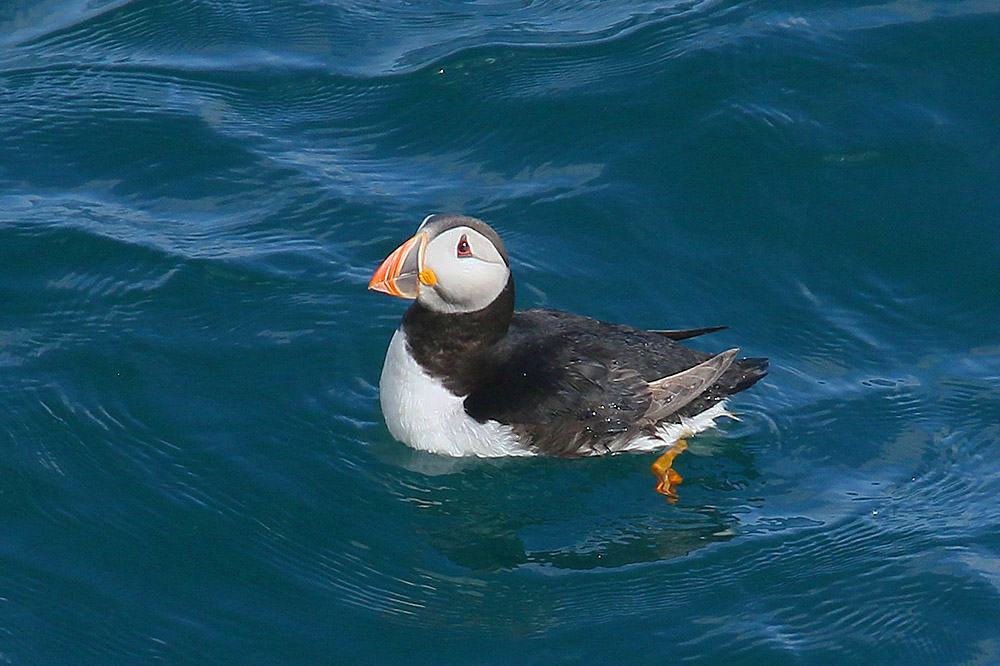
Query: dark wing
x=570 y=385
x=577 y=408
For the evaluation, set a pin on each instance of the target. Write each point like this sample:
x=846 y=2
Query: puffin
x=467 y=375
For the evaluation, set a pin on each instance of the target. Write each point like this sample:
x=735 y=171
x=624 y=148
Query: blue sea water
x=193 y=195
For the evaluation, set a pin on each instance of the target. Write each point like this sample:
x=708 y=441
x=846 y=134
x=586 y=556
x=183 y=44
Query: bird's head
x=453 y=264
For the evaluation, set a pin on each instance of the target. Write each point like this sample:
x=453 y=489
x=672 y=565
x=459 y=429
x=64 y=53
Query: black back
x=568 y=385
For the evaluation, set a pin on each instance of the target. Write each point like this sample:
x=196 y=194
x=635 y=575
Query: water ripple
x=194 y=195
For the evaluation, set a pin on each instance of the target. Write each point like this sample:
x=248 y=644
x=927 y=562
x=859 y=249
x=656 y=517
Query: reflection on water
x=493 y=515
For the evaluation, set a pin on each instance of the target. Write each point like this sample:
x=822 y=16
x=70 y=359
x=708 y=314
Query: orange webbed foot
x=667 y=479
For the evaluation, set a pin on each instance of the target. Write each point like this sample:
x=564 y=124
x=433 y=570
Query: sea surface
x=194 y=469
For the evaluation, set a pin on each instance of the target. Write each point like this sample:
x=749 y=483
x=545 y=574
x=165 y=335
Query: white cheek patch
x=467 y=283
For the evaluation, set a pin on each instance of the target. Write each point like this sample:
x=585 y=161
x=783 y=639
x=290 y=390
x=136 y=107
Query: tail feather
x=743 y=374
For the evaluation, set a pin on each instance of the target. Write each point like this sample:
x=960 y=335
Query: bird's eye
x=463 y=247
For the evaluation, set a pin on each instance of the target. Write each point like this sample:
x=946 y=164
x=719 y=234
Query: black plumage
x=568 y=385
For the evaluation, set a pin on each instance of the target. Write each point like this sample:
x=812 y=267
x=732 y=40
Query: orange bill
x=399 y=274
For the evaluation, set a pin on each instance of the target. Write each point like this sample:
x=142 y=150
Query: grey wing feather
x=672 y=392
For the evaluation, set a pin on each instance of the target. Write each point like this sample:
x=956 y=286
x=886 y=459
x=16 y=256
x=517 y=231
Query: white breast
x=420 y=412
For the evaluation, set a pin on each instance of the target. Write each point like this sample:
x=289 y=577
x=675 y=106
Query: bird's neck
x=451 y=346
